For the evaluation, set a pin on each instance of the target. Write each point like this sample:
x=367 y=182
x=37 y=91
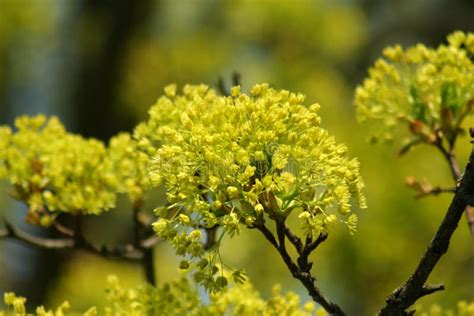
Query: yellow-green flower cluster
x=181 y=298
x=229 y=160
x=16 y=306
x=430 y=89
x=56 y=171
x=166 y=112
x=174 y=298
x=178 y=298
x=51 y=168
x=130 y=166
x=463 y=308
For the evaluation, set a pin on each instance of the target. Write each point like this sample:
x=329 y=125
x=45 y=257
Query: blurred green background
x=99 y=65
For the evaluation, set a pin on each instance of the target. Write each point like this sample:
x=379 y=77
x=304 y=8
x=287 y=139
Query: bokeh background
x=99 y=65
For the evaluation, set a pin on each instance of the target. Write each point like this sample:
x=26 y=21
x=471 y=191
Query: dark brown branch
x=295 y=240
x=456 y=174
x=435 y=191
x=267 y=233
x=415 y=287
x=309 y=247
x=451 y=159
x=431 y=288
x=301 y=269
x=282 y=249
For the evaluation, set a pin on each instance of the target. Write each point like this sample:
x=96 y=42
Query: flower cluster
x=166 y=112
x=56 y=171
x=16 y=305
x=429 y=89
x=181 y=298
x=227 y=161
x=178 y=297
x=130 y=165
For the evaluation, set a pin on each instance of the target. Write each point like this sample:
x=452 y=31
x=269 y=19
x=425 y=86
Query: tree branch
x=295 y=240
x=12 y=232
x=140 y=230
x=450 y=157
x=267 y=233
x=301 y=269
x=414 y=287
x=63 y=229
x=127 y=252
x=309 y=247
x=435 y=191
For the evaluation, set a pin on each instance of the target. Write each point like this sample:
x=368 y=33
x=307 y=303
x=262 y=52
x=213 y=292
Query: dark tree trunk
x=96 y=105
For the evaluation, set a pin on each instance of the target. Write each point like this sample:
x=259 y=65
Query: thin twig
x=295 y=240
x=309 y=247
x=435 y=191
x=450 y=157
x=66 y=231
x=267 y=233
x=415 y=287
x=149 y=242
x=301 y=269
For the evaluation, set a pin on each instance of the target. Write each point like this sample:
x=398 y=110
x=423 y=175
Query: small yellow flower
x=232 y=191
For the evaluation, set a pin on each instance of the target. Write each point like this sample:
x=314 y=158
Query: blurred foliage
x=463 y=308
x=316 y=47
x=178 y=297
x=293 y=44
x=32 y=21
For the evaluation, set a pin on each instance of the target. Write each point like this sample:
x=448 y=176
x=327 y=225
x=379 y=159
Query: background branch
x=46 y=243
x=140 y=232
x=127 y=251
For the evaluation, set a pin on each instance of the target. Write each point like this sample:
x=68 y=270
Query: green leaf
x=450 y=97
x=418 y=108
